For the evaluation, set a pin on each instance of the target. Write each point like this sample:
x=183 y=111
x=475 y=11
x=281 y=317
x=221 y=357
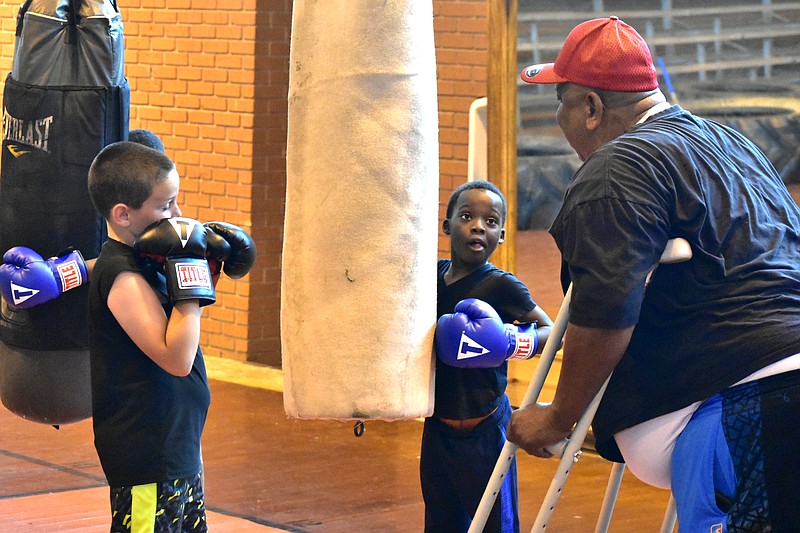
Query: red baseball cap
x=602 y=53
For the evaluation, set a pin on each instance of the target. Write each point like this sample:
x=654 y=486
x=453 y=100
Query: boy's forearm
x=183 y=336
x=544 y=335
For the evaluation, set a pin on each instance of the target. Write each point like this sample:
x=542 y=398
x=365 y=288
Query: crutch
x=670 y=516
x=569 y=450
x=532 y=392
x=610 y=497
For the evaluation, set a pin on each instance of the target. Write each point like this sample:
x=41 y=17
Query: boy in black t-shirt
x=463 y=439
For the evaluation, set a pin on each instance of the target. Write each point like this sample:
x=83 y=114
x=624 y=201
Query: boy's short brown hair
x=125 y=172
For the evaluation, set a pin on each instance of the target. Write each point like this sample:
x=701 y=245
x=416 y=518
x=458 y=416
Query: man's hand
x=532 y=429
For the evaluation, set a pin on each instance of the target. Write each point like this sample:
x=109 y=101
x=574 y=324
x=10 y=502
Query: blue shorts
x=176 y=506
x=735 y=465
x=455 y=467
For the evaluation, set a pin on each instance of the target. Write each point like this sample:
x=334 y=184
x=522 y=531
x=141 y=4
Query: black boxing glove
x=179 y=245
x=217 y=251
x=242 y=248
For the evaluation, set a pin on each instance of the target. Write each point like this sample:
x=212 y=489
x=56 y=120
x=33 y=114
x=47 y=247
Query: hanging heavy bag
x=358 y=284
x=65 y=99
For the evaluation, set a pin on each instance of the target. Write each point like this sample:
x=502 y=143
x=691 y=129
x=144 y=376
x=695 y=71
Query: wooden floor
x=286 y=475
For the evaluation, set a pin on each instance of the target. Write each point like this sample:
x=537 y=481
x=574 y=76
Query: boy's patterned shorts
x=176 y=506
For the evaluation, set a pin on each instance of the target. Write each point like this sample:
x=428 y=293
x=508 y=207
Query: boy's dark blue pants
x=455 y=467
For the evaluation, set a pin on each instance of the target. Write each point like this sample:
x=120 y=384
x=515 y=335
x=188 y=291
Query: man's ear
x=502 y=236
x=594 y=110
x=121 y=215
x=446 y=226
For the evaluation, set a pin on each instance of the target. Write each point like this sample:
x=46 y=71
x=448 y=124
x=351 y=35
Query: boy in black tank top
x=150 y=393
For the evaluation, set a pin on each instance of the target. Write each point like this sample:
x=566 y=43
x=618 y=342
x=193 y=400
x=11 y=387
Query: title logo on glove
x=183 y=227
x=468 y=348
x=193 y=276
x=525 y=347
x=70 y=274
x=21 y=294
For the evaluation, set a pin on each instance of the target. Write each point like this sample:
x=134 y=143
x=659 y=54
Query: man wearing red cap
x=705 y=392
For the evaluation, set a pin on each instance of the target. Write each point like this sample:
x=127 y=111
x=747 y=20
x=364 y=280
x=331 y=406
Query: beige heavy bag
x=358 y=291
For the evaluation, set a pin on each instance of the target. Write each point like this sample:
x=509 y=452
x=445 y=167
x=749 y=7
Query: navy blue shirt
x=701 y=325
x=463 y=393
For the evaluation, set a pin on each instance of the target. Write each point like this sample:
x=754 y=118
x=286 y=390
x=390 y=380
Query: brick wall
x=460 y=33
x=211 y=78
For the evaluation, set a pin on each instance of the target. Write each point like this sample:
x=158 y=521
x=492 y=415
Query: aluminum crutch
x=670 y=516
x=532 y=392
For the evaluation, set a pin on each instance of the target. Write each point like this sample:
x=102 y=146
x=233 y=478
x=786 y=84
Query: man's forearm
x=590 y=355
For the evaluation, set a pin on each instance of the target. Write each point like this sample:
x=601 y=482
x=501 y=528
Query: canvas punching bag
x=64 y=100
x=358 y=290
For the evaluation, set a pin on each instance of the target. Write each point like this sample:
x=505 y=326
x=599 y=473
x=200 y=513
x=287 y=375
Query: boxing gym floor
x=267 y=473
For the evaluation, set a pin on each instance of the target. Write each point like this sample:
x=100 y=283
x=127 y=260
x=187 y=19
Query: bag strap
x=21 y=16
x=72 y=20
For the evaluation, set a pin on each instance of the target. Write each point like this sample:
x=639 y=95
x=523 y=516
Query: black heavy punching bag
x=65 y=99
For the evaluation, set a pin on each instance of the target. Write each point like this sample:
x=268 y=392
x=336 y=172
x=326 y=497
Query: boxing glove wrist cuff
x=69 y=269
x=525 y=341
x=189 y=278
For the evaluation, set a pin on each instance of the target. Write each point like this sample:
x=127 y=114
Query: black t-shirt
x=701 y=325
x=463 y=393
x=147 y=422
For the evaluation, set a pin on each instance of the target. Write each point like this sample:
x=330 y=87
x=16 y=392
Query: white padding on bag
x=358 y=290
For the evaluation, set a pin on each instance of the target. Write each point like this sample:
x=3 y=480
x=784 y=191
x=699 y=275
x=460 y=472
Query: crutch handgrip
x=676 y=251
x=558 y=448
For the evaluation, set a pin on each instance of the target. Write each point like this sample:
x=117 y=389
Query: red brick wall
x=211 y=79
x=460 y=33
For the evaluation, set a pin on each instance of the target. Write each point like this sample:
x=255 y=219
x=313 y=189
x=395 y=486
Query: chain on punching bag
x=65 y=99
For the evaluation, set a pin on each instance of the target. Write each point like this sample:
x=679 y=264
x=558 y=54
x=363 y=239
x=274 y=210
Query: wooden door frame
x=501 y=129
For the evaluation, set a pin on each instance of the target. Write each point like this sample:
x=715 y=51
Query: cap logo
x=530 y=72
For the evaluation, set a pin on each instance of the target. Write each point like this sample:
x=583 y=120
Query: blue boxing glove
x=28 y=280
x=474 y=336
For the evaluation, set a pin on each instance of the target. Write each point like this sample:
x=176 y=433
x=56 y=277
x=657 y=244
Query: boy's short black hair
x=125 y=172
x=475 y=184
x=147 y=138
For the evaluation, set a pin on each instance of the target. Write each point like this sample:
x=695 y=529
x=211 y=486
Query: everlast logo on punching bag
x=34 y=133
